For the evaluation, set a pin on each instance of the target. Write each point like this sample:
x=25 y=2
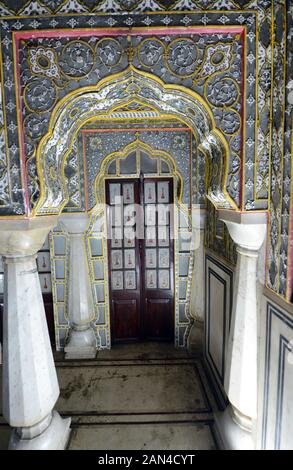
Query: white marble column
x=30 y=386
x=195 y=337
x=82 y=343
x=248 y=232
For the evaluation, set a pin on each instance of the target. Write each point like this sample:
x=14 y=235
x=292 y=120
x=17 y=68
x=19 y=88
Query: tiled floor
x=139 y=396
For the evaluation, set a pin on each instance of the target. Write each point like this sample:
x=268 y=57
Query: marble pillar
x=82 y=343
x=248 y=232
x=30 y=385
x=196 y=334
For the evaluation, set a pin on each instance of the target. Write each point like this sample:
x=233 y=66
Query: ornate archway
x=182 y=226
x=103 y=102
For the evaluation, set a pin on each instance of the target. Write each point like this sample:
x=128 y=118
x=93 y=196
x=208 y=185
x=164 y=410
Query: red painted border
x=143 y=31
x=105 y=32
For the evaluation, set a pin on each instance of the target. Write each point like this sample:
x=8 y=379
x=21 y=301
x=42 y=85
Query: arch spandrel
x=88 y=103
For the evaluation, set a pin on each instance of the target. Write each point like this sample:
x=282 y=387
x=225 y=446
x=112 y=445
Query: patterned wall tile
x=51 y=73
x=267 y=124
x=281 y=183
x=209 y=64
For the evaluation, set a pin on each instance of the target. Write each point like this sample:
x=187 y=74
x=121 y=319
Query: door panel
x=123 y=254
x=140 y=253
x=158 y=319
x=157 y=259
x=126 y=320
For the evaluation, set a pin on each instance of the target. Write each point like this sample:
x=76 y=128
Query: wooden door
x=157 y=254
x=140 y=253
x=124 y=262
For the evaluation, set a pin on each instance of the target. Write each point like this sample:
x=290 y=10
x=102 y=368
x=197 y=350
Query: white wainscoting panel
x=218 y=304
x=277 y=363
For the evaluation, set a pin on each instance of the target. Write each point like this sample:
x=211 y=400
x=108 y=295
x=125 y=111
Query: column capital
x=24 y=237
x=75 y=224
x=247 y=229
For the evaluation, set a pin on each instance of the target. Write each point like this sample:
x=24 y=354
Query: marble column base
x=195 y=338
x=230 y=435
x=82 y=344
x=54 y=437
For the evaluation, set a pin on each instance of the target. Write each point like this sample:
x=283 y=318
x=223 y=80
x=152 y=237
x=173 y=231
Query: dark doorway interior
x=141 y=258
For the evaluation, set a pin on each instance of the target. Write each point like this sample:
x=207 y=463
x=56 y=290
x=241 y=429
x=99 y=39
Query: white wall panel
x=276 y=362
x=218 y=295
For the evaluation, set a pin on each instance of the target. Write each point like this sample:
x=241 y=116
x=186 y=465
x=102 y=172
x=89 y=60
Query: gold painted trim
x=67 y=101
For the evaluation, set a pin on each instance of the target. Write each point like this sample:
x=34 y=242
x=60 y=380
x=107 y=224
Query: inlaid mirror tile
x=165 y=167
x=150 y=215
x=164 y=279
x=61 y=315
x=163 y=191
x=60 y=269
x=149 y=193
x=115 y=193
x=129 y=280
x=100 y=294
x=59 y=245
x=182 y=289
x=116 y=259
x=45 y=281
x=163 y=214
x=128 y=193
x=116 y=240
x=60 y=289
x=163 y=236
x=164 y=261
x=182 y=313
x=184 y=241
x=117 y=280
x=116 y=215
x=129 y=215
x=148 y=164
x=98 y=270
x=129 y=237
x=129 y=259
x=150 y=236
x=128 y=165
x=43 y=261
x=151 y=279
x=183 y=220
x=150 y=258
x=96 y=246
x=101 y=317
x=183 y=265
x=62 y=335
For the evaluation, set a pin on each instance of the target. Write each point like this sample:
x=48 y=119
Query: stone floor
x=138 y=396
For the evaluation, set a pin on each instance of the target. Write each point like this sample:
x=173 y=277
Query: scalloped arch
x=101 y=101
